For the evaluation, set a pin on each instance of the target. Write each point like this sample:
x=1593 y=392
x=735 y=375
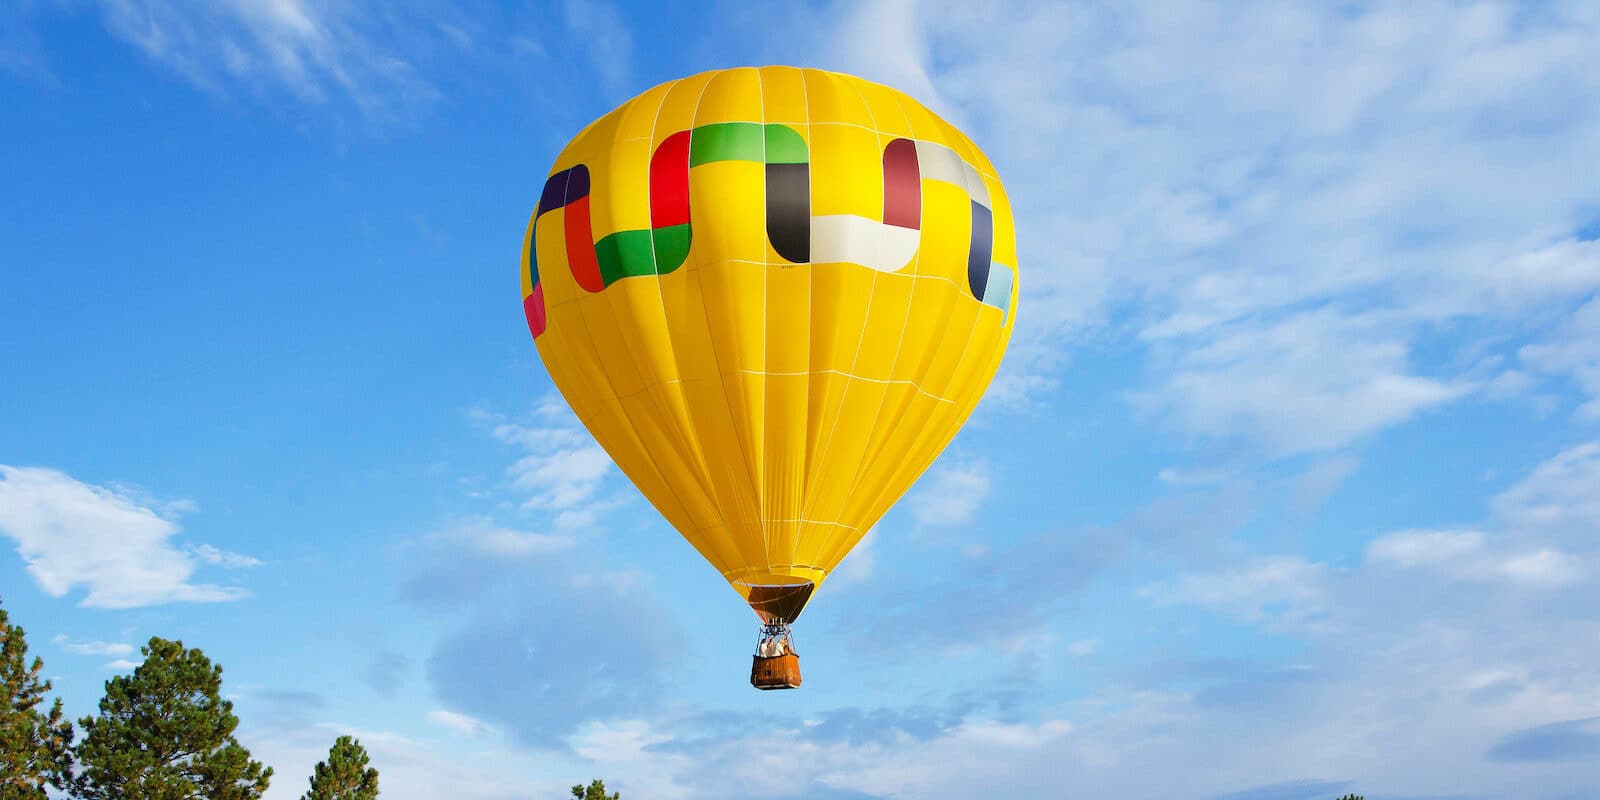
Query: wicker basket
x=775 y=672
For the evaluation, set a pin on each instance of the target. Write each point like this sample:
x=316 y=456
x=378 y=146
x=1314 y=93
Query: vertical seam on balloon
x=702 y=476
x=612 y=386
x=690 y=445
x=955 y=424
x=871 y=293
x=811 y=305
x=760 y=466
x=727 y=402
x=730 y=542
x=878 y=418
x=803 y=488
x=641 y=363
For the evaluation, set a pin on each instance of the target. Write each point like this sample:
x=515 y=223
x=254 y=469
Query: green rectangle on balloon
x=785 y=145
x=672 y=247
x=624 y=254
x=726 y=141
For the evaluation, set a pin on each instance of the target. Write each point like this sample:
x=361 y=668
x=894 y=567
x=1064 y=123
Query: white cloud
x=462 y=560
x=1172 y=476
x=412 y=768
x=1563 y=269
x=490 y=540
x=563 y=467
x=313 y=50
x=951 y=494
x=1558 y=498
x=460 y=723
x=1473 y=642
x=858 y=565
x=1543 y=567
x=1573 y=350
x=91 y=648
x=1282 y=258
x=1541 y=534
x=73 y=534
x=224 y=558
x=1083 y=647
x=1467 y=555
x=600 y=741
x=1282 y=588
x=561 y=479
x=120 y=665
x=1421 y=548
x=1313 y=381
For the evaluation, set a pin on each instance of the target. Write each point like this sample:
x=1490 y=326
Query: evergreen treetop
x=345 y=775
x=596 y=790
x=35 y=744
x=165 y=733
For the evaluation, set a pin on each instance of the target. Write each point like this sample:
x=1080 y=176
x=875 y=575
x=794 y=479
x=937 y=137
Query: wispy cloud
x=1313 y=381
x=604 y=38
x=460 y=723
x=317 y=52
x=951 y=494
x=1557 y=500
x=545 y=626
x=997 y=599
x=562 y=468
x=22 y=50
x=527 y=604
x=411 y=766
x=1281 y=589
x=1574 y=349
x=1466 y=555
x=1303 y=789
x=92 y=648
x=458 y=563
x=105 y=540
x=1279 y=261
x=223 y=558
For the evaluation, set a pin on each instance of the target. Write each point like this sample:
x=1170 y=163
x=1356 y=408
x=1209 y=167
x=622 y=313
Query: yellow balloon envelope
x=773 y=295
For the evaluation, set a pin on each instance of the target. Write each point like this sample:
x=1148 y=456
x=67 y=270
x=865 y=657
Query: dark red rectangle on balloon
x=669 y=182
x=902 y=185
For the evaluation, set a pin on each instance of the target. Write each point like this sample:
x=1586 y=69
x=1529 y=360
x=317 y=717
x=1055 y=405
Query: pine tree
x=1352 y=797
x=595 y=791
x=345 y=775
x=34 y=744
x=165 y=733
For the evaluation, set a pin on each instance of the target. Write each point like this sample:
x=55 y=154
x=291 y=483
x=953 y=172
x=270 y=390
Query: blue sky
x=1286 y=488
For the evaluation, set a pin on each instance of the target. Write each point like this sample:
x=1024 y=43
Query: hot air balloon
x=773 y=295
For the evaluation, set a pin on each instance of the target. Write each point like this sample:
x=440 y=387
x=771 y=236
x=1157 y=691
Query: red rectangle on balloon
x=669 y=182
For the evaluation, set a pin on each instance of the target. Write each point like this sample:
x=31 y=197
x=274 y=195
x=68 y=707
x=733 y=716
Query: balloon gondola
x=773 y=295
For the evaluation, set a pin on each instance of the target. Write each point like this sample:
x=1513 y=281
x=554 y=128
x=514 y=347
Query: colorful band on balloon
x=887 y=245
